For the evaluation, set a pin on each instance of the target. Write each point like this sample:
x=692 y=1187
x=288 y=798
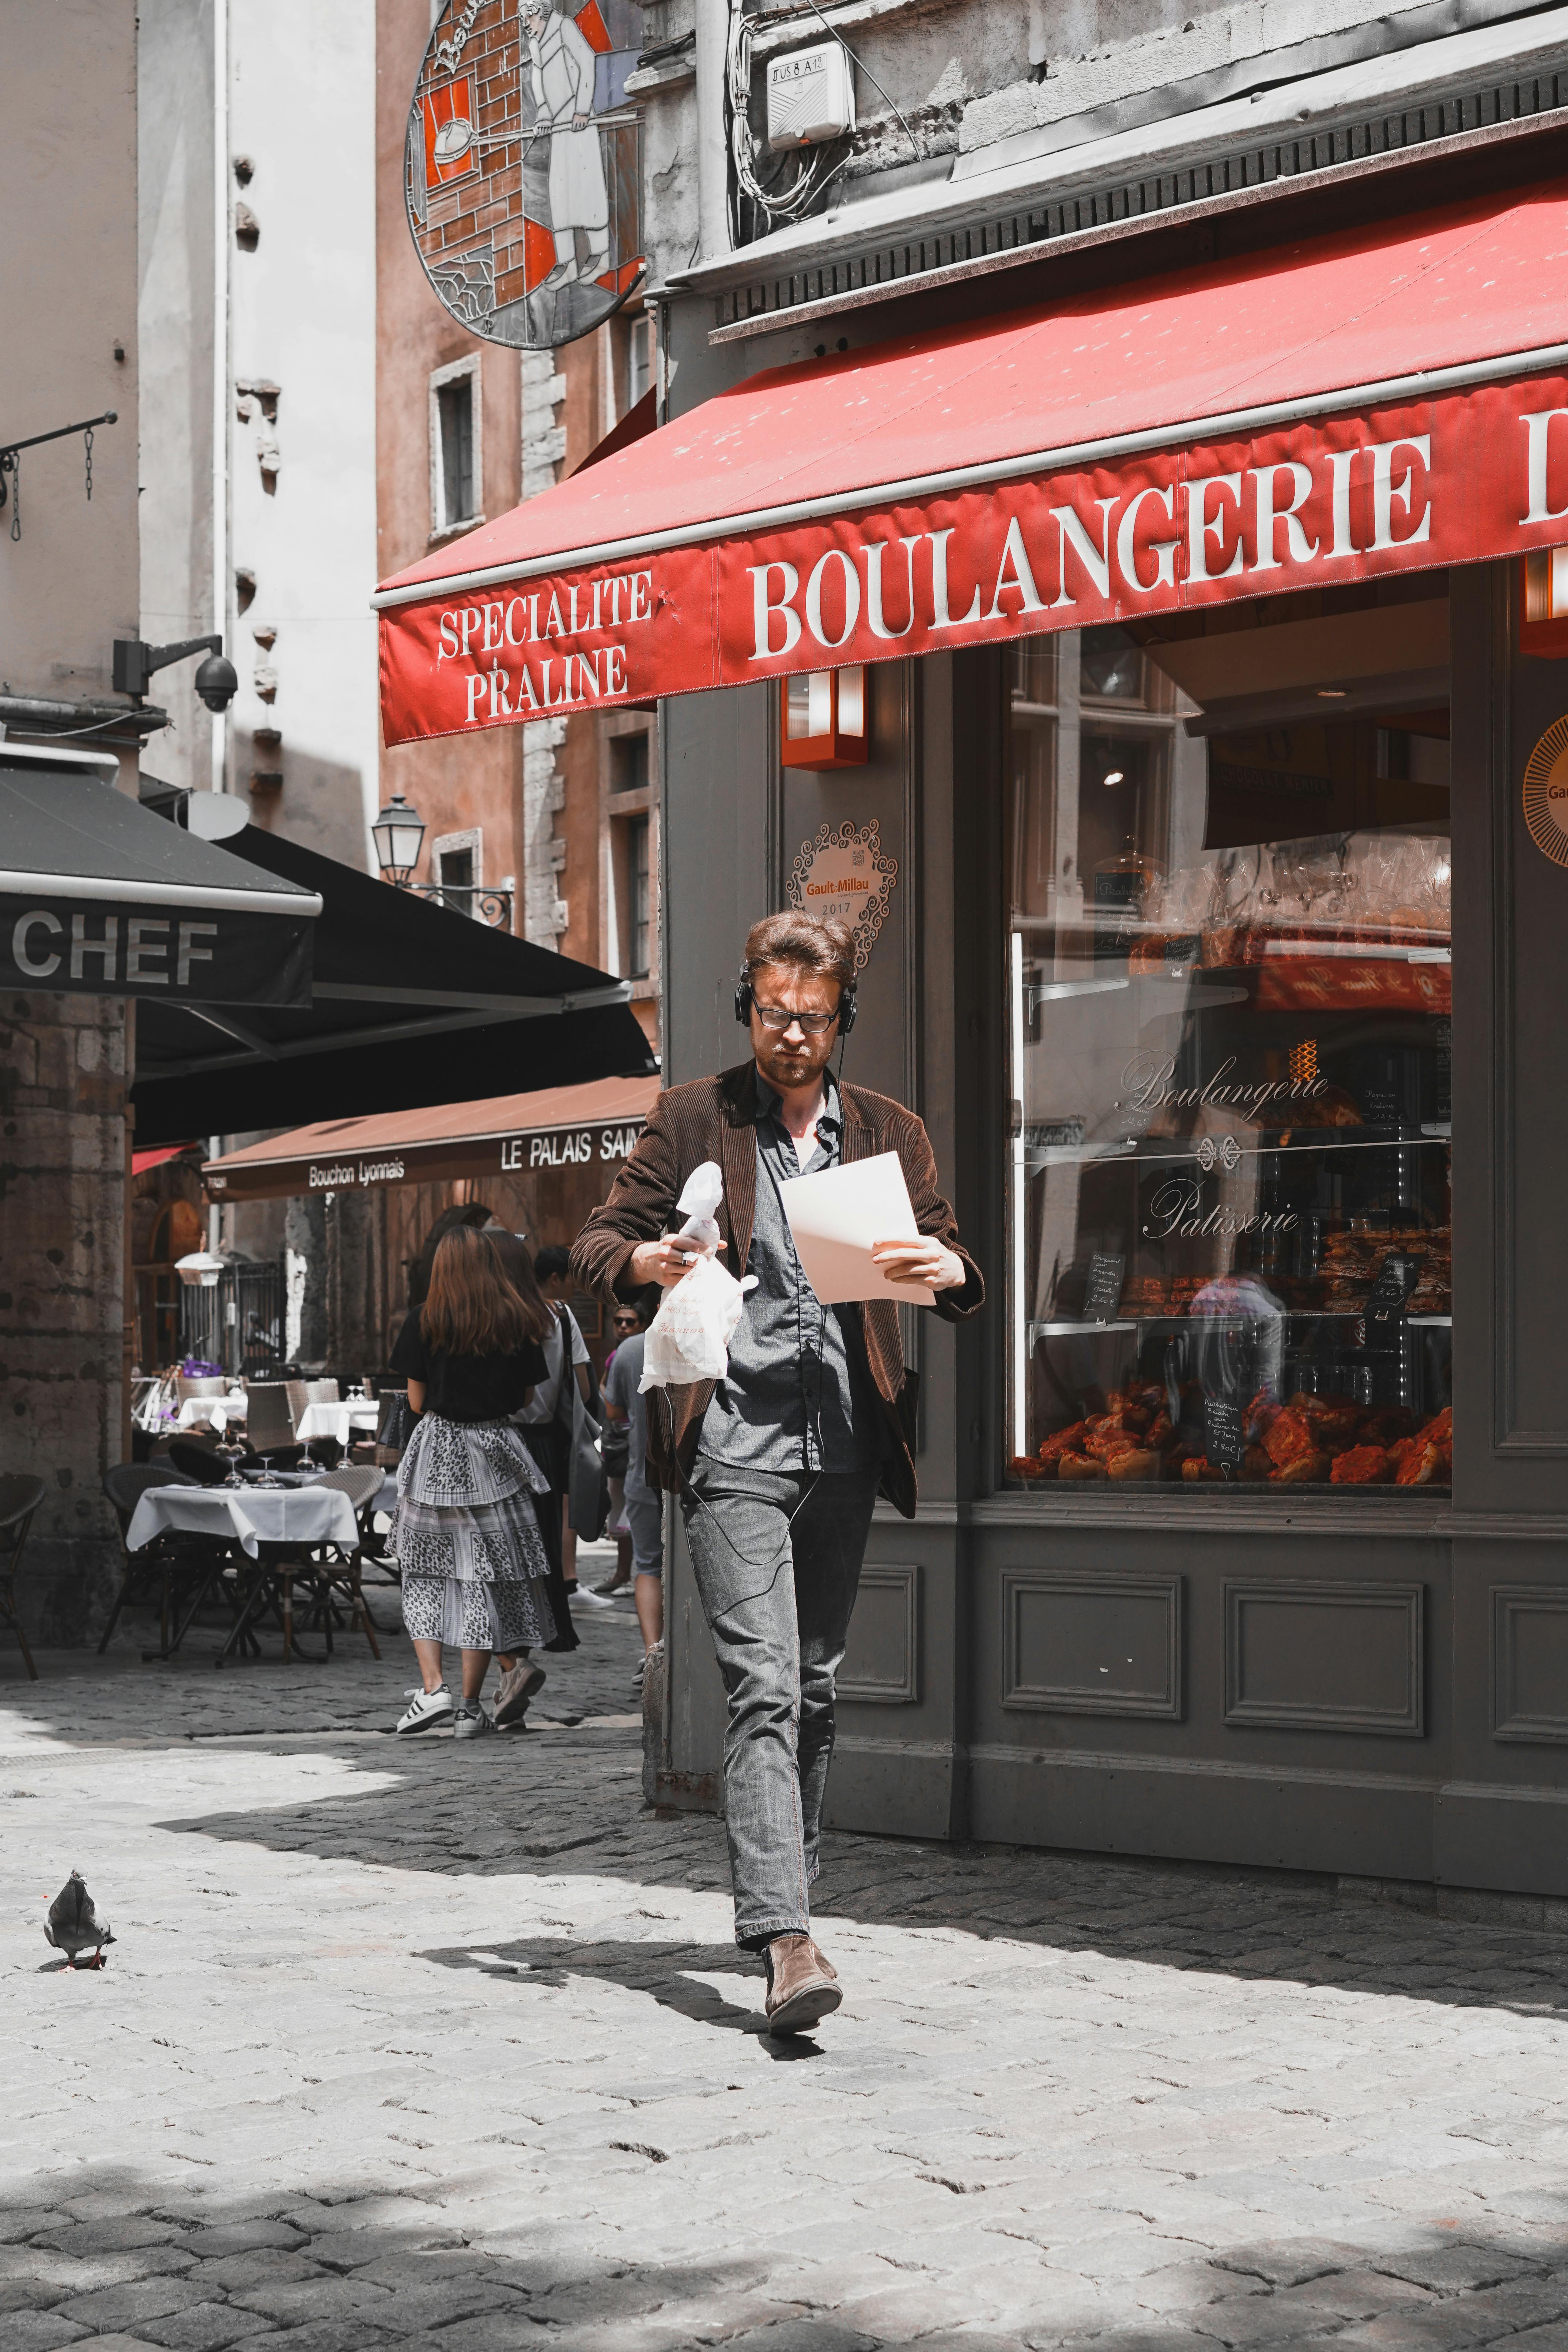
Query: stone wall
x=62 y=1292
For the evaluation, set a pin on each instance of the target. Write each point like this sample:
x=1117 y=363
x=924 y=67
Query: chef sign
x=524 y=167
x=845 y=873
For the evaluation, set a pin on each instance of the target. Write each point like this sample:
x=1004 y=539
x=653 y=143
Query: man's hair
x=812 y=944
x=550 y=1261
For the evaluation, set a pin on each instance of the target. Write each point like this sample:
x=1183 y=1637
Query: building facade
x=68 y=589
x=550 y=830
x=1217 y=958
x=320 y=417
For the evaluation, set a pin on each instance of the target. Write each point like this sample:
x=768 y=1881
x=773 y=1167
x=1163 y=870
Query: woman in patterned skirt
x=473 y=1566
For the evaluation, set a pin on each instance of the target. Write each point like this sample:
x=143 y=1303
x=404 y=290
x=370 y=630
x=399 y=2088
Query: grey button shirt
x=799 y=1393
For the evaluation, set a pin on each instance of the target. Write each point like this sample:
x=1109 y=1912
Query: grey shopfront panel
x=1371 y=1683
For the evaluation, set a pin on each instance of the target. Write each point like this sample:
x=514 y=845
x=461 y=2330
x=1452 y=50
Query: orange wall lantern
x=1543 y=602
x=825 y=719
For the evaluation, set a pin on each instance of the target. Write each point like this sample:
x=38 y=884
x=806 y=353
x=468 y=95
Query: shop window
x=631 y=908
x=458 y=878
x=629 y=763
x=639 y=358
x=641 y=902
x=1229 y=1003
x=454 y=446
x=455 y=860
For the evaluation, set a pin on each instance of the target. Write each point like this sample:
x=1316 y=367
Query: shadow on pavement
x=573 y=1802
x=325 y=2268
x=570 y=1799
x=353 y=2265
x=666 y=1972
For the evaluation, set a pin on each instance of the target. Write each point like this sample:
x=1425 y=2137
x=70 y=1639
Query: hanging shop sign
x=1429 y=483
x=524 y=169
x=177 y=952
x=1546 y=793
x=844 y=874
x=594 y=1145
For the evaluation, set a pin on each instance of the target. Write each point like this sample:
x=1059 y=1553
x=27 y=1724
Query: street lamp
x=199 y=1270
x=825 y=717
x=397 y=833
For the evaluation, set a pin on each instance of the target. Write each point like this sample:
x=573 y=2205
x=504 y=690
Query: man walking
x=778 y=1465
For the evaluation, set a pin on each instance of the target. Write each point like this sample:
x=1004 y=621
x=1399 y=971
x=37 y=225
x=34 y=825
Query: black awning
x=101 y=898
x=412 y=1006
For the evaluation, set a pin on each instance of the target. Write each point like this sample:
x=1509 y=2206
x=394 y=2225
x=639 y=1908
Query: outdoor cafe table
x=215 y=1412
x=250 y=1516
x=336 y=1421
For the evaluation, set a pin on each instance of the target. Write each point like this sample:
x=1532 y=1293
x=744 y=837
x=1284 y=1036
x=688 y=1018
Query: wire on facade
x=871 y=76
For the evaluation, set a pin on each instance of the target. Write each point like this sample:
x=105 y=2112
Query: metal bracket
x=10 y=457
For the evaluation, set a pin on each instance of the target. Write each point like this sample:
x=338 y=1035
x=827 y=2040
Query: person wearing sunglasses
x=625 y=1323
x=779 y=1464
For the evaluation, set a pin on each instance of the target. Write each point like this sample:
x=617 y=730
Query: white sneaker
x=428 y=1707
x=595 y=1600
x=471 y=1722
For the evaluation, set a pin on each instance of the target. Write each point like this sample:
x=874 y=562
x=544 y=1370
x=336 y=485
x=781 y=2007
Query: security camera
x=217 y=682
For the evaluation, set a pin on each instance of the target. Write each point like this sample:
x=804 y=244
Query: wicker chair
x=389 y=1427
x=198 y=1459
x=19 y=1498
x=180 y=1567
x=208 y=1385
x=323 y=1392
x=270 y=1425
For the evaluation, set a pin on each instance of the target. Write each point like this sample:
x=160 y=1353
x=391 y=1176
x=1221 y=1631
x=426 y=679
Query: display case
x=1229 y=1004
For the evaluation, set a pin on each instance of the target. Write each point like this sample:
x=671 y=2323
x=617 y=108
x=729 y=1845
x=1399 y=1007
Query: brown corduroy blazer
x=715 y=1118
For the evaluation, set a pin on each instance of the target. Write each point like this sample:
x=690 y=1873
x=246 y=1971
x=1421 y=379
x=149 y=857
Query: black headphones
x=744 y=999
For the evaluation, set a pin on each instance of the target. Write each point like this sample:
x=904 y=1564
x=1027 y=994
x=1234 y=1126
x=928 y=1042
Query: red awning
x=141 y=1160
x=1327 y=412
x=512 y=1135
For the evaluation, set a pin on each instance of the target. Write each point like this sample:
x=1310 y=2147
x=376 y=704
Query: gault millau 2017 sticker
x=1546 y=792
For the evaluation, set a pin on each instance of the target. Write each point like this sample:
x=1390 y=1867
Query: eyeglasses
x=779 y=1016
x=624 y=1322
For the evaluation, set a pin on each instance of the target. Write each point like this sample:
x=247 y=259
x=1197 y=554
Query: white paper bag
x=688 y=1338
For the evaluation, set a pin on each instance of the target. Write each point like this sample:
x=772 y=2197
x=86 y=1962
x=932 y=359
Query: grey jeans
x=777 y=1597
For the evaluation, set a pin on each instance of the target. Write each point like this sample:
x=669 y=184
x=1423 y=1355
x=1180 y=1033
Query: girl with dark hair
x=474 y=1568
x=475 y=1214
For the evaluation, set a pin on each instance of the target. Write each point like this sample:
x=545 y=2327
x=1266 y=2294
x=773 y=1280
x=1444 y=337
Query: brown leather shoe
x=524 y=1683
x=803 y=1988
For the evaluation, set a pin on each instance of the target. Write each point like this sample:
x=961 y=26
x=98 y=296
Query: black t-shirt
x=468 y=1388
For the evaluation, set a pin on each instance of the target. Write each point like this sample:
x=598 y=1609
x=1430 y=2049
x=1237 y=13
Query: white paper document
x=836 y=1217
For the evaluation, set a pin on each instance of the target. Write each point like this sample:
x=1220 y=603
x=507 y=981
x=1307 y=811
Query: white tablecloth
x=216 y=1412
x=337 y=1420
x=256 y=1515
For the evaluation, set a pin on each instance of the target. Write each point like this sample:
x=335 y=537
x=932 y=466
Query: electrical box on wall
x=811 y=96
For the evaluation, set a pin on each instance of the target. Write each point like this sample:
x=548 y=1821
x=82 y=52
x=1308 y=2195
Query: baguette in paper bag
x=688 y=1338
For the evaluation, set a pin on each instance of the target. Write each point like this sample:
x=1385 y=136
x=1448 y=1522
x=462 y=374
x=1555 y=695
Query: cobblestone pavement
x=450 y=2046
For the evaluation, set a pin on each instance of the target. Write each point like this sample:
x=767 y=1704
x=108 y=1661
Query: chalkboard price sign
x=1102 y=1292
x=1396 y=1280
x=1225 y=1437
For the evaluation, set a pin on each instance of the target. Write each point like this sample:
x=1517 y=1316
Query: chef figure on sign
x=561 y=64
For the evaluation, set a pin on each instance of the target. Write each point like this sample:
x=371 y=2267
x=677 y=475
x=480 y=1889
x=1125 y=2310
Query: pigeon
x=74 y=1927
